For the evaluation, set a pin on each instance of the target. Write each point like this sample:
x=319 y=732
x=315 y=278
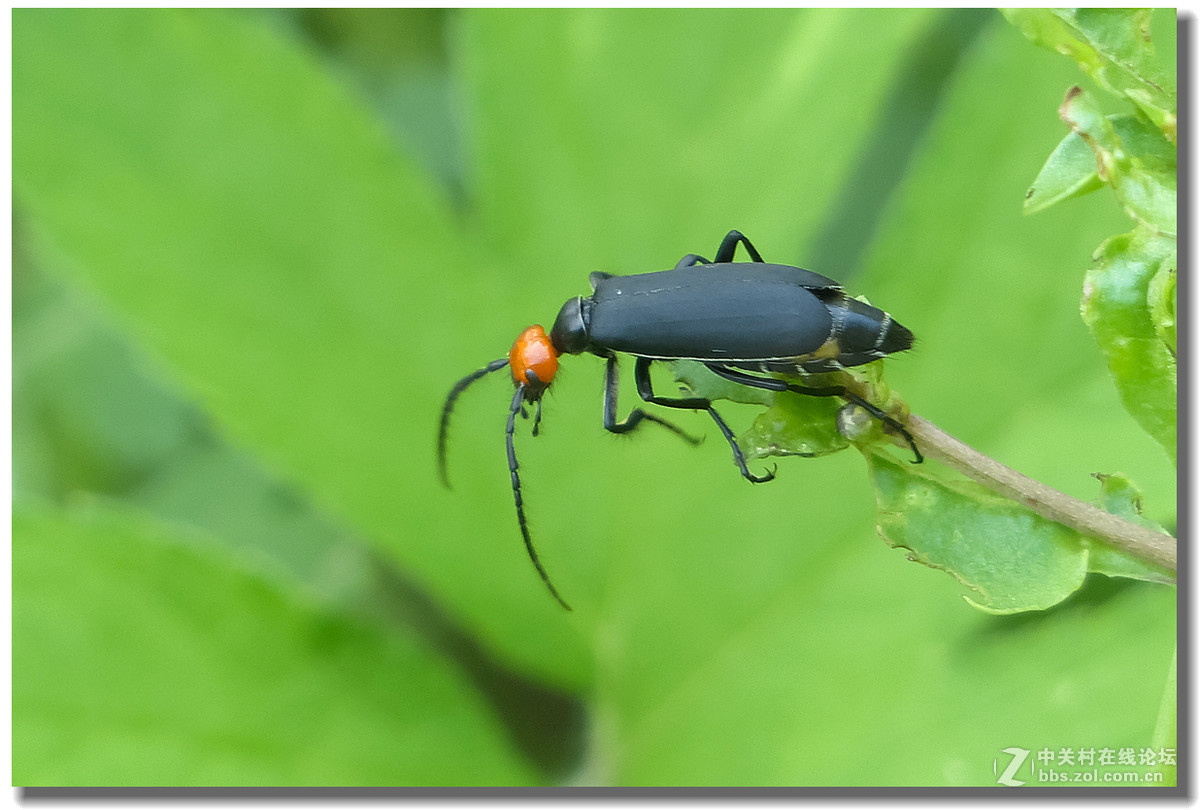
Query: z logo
x=1019 y=755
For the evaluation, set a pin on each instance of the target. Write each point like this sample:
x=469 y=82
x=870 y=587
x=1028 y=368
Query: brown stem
x=1146 y=544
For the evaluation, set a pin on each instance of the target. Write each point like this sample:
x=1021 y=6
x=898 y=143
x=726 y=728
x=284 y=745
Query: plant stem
x=1146 y=544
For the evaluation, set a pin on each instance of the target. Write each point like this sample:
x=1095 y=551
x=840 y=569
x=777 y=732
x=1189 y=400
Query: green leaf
x=1161 y=298
x=1071 y=171
x=1116 y=308
x=1113 y=47
x=795 y=426
x=145 y=656
x=1120 y=496
x=1012 y=559
x=1144 y=182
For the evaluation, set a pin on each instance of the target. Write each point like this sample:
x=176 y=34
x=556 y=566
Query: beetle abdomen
x=860 y=334
x=865 y=333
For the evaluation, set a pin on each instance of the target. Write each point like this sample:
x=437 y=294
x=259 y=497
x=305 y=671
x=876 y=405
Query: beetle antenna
x=458 y=388
x=517 y=403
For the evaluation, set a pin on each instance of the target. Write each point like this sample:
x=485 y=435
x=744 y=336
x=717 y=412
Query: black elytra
x=734 y=317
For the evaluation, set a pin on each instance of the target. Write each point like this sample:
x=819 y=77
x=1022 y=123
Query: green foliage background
x=254 y=250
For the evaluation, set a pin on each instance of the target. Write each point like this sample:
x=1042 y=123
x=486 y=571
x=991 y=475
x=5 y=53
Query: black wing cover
x=716 y=312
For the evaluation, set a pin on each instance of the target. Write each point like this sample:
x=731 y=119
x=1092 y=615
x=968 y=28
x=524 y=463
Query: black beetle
x=734 y=317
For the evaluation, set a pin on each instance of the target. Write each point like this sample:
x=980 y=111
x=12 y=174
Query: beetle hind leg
x=739 y=458
x=772 y=384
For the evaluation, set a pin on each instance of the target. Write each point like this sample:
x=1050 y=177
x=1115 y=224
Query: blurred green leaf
x=143 y=656
x=1116 y=308
x=282 y=264
x=81 y=409
x=845 y=645
x=753 y=125
x=1113 y=47
x=291 y=292
x=1165 y=735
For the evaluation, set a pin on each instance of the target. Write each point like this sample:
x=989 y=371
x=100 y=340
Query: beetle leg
x=641 y=374
x=733 y=375
x=611 y=384
x=772 y=384
x=537 y=412
x=884 y=417
x=729 y=247
x=691 y=260
x=739 y=458
x=537 y=416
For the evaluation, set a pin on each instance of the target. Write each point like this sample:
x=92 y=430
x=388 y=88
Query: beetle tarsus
x=739 y=458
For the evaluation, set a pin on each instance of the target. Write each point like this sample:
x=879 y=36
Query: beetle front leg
x=641 y=375
x=637 y=415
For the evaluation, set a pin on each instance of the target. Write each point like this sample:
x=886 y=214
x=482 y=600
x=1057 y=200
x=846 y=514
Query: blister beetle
x=734 y=317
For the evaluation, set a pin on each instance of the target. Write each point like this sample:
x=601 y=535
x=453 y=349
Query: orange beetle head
x=533 y=361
